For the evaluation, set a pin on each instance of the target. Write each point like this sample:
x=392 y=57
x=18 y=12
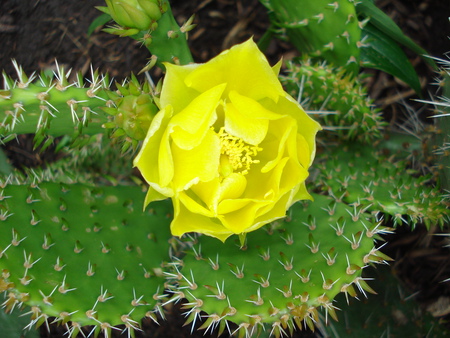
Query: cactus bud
x=139 y=14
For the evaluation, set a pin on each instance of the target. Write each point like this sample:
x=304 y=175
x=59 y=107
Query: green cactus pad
x=340 y=101
x=360 y=174
x=84 y=255
x=321 y=28
x=282 y=275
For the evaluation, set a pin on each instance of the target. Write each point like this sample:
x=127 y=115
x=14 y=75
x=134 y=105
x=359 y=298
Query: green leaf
x=98 y=22
x=386 y=25
x=381 y=52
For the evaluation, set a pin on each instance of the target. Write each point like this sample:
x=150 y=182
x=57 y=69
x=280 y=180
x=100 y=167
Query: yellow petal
x=232 y=186
x=283 y=133
x=174 y=90
x=247 y=119
x=242 y=219
x=194 y=204
x=277 y=211
x=198 y=164
x=243 y=68
x=185 y=221
x=191 y=124
x=306 y=125
x=301 y=194
x=227 y=206
x=147 y=158
x=303 y=151
x=165 y=160
x=154 y=195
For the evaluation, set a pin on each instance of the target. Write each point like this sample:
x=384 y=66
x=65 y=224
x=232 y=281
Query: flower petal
x=191 y=124
x=185 y=221
x=247 y=119
x=147 y=158
x=197 y=164
x=176 y=93
x=243 y=68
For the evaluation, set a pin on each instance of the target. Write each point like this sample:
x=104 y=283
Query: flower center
x=236 y=155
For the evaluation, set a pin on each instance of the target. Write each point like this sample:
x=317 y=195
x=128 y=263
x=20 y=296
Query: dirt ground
x=36 y=32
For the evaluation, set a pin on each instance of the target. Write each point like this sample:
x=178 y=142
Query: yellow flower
x=229 y=146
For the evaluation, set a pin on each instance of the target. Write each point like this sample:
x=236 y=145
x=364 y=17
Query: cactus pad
x=322 y=28
x=281 y=276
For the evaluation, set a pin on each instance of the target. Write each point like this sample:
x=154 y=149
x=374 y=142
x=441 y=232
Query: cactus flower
x=137 y=14
x=229 y=146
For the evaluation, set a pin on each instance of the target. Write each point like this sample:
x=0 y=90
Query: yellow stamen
x=238 y=154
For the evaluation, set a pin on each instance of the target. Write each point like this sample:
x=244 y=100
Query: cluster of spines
x=383 y=183
x=338 y=100
x=281 y=277
x=82 y=255
x=326 y=29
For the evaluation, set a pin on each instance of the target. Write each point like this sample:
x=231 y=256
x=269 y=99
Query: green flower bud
x=134 y=115
x=140 y=14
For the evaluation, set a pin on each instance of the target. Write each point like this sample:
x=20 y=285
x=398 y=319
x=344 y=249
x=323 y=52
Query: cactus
x=76 y=246
x=284 y=274
x=355 y=174
x=83 y=254
x=347 y=109
x=441 y=140
x=324 y=29
x=51 y=106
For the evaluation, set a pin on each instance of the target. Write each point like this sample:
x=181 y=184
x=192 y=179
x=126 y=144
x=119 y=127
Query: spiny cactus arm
x=82 y=254
x=325 y=29
x=360 y=174
x=283 y=275
x=51 y=106
x=340 y=102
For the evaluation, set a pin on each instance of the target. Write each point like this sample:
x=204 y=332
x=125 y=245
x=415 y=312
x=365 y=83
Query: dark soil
x=38 y=32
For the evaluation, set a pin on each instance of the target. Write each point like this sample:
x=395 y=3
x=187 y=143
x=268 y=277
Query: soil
x=38 y=32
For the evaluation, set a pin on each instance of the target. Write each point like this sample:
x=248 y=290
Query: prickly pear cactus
x=86 y=255
x=283 y=275
x=339 y=100
x=325 y=29
x=356 y=174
